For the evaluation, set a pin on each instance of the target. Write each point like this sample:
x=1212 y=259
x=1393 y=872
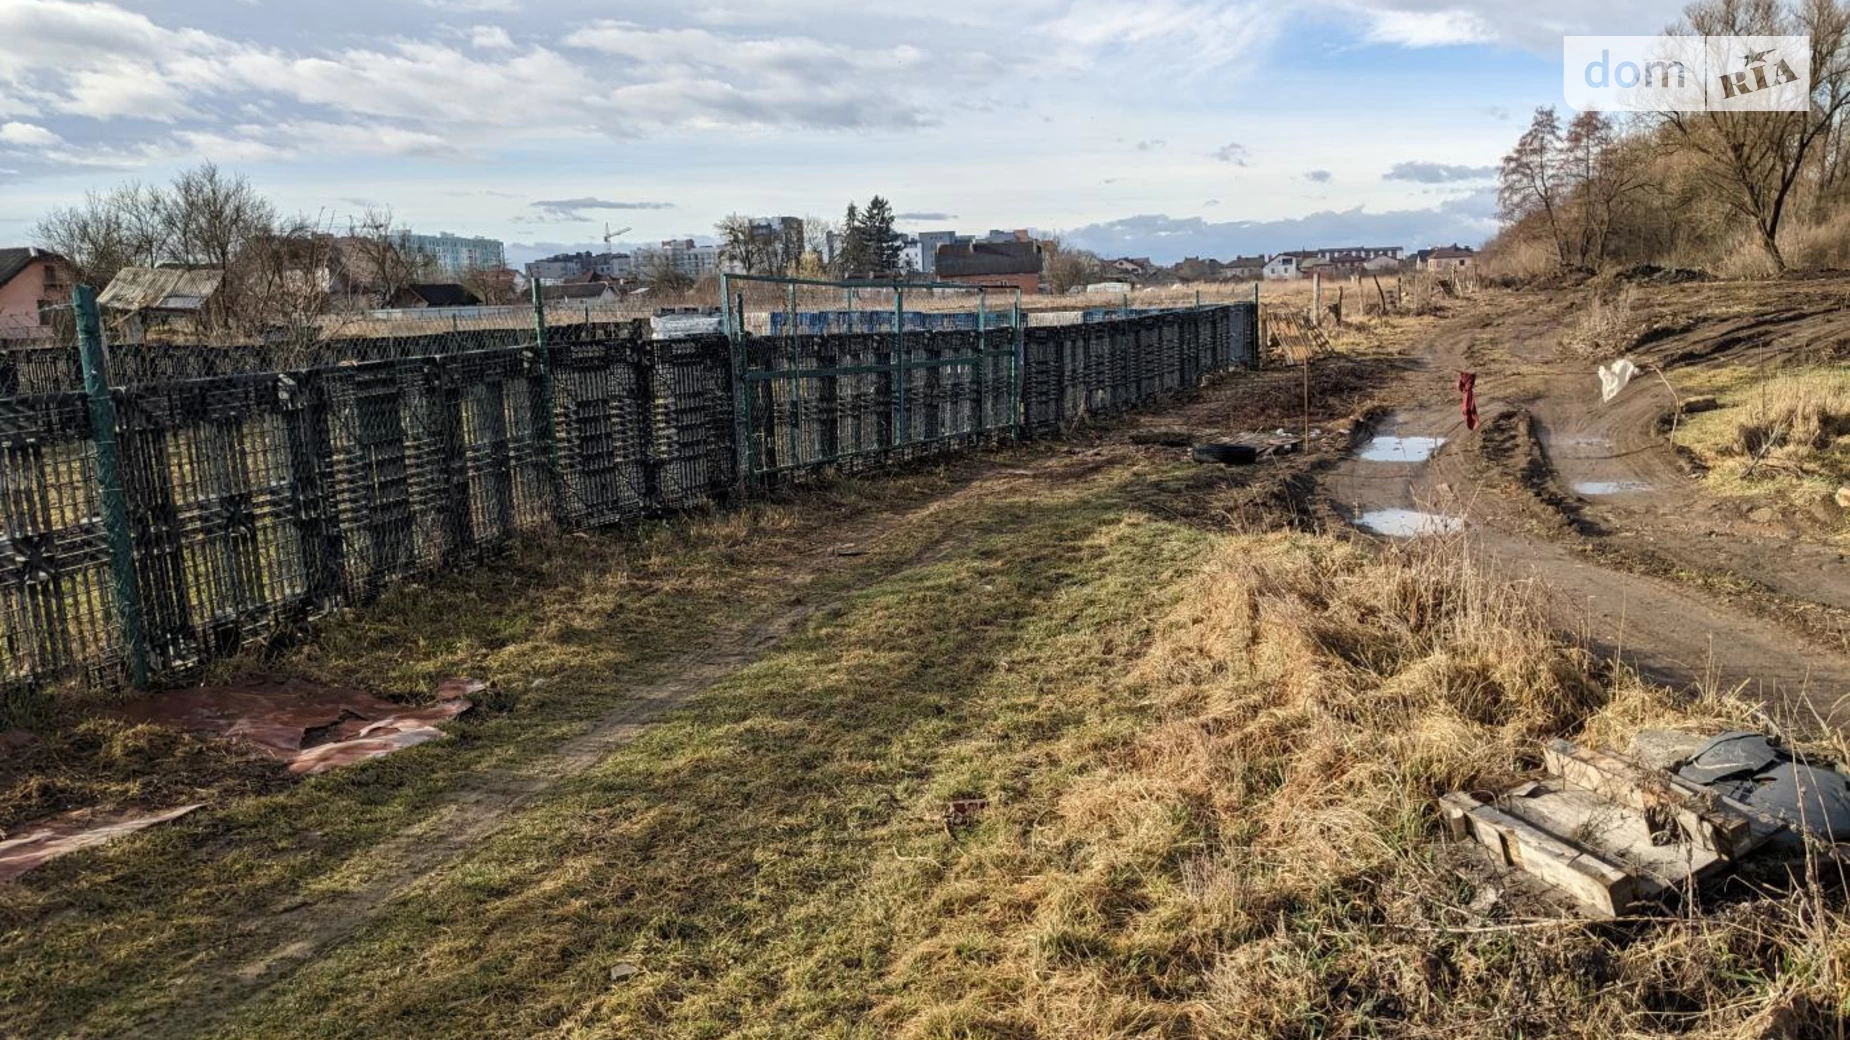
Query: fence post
x=111 y=494
x=1020 y=375
x=902 y=376
x=1258 y=327
x=548 y=436
x=741 y=390
x=982 y=360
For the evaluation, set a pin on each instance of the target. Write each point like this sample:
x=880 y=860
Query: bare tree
x=285 y=278
x=106 y=232
x=660 y=274
x=1530 y=181
x=743 y=246
x=1602 y=172
x=1755 y=160
x=205 y=218
x=821 y=238
x=1068 y=269
x=210 y=216
x=378 y=262
x=493 y=287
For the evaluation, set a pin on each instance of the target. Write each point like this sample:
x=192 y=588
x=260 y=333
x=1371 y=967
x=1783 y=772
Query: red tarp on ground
x=313 y=728
x=61 y=835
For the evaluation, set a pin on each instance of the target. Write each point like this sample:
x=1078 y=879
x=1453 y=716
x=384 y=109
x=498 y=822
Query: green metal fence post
x=734 y=324
x=982 y=360
x=1258 y=329
x=1019 y=377
x=725 y=304
x=899 y=360
x=545 y=426
x=790 y=311
x=113 y=496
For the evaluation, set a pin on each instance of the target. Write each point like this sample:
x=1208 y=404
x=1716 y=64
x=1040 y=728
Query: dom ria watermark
x=1687 y=73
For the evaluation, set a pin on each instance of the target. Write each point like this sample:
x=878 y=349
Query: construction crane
x=609 y=234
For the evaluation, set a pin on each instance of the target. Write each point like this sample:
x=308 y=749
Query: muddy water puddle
x=1409 y=523
x=1584 y=440
x=1599 y=488
x=1400 y=449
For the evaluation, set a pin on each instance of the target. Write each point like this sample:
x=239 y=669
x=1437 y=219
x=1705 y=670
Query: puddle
x=1400 y=449
x=1584 y=440
x=1610 y=487
x=1409 y=523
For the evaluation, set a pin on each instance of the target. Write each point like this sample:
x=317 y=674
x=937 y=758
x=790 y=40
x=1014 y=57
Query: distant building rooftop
x=977 y=259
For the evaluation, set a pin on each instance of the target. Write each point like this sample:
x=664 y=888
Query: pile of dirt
x=1651 y=274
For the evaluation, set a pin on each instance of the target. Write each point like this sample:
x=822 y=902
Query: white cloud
x=1233 y=153
x=28 y=135
x=1428 y=28
x=702 y=79
x=1537 y=27
x=1438 y=173
x=1193 y=34
x=489 y=38
x=474 y=6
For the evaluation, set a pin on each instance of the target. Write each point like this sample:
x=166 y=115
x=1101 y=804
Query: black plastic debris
x=1227 y=454
x=1817 y=800
x=1730 y=756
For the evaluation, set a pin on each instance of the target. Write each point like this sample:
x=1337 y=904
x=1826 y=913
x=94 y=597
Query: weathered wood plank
x=1704 y=819
x=1602 y=887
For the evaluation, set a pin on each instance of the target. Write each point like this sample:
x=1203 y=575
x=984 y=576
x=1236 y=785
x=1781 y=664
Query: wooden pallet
x=1608 y=832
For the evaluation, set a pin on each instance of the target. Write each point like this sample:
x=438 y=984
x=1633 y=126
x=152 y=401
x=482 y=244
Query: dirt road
x=1589 y=500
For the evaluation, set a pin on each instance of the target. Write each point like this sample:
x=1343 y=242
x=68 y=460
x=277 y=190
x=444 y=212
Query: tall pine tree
x=884 y=247
x=853 y=259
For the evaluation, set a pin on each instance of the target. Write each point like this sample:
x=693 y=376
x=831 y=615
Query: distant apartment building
x=929 y=244
x=683 y=254
x=454 y=254
x=565 y=267
x=1007 y=262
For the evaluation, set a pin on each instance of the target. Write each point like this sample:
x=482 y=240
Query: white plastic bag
x=1615 y=377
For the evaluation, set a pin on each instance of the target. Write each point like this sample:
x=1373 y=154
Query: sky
x=1161 y=128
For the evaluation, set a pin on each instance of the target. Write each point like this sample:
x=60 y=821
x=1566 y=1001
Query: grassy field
x=1785 y=432
x=1062 y=749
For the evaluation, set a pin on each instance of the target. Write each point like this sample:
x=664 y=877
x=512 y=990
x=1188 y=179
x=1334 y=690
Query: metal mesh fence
x=256 y=500
x=850 y=402
x=1099 y=369
x=43 y=369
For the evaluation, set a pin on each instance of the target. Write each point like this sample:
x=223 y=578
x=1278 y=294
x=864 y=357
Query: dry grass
x=1209 y=759
x=1606 y=327
x=1784 y=434
x=1259 y=861
x=1823 y=245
